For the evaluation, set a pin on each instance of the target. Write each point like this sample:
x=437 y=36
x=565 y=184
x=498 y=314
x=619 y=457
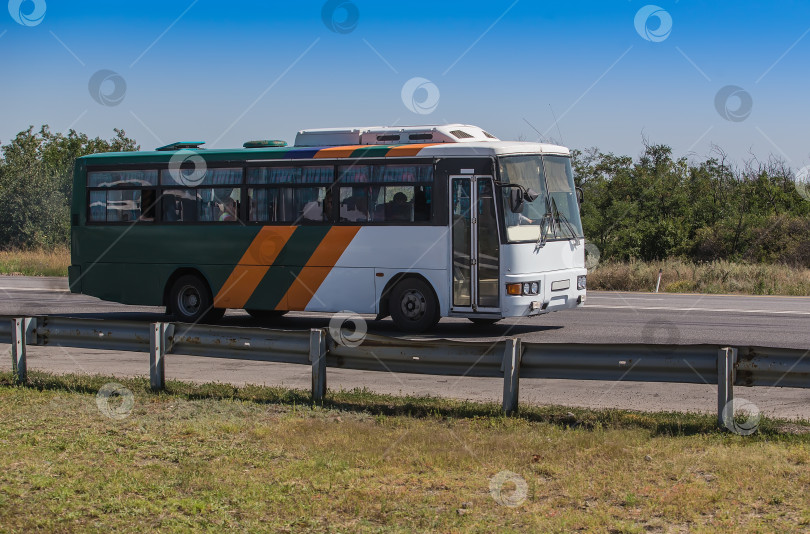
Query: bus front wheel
x=190 y=301
x=413 y=306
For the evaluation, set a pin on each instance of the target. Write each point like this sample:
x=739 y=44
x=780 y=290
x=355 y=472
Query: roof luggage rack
x=393 y=135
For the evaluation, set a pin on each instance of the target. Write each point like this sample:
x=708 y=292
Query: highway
x=608 y=317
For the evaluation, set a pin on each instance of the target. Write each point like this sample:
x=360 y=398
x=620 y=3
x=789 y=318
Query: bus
x=416 y=223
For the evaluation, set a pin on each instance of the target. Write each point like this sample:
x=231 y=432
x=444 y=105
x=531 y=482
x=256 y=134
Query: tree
x=36 y=173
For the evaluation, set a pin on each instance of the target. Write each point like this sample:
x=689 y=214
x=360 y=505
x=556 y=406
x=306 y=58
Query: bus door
x=476 y=266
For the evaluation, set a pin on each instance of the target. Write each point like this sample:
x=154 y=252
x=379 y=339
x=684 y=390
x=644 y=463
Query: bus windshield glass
x=555 y=211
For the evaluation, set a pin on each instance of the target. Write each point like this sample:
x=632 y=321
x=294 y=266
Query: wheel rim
x=413 y=305
x=189 y=301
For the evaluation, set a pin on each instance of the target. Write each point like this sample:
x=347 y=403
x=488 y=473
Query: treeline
x=650 y=208
x=36 y=173
x=658 y=207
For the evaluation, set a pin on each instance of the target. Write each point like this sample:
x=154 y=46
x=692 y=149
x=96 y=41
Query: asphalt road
x=607 y=318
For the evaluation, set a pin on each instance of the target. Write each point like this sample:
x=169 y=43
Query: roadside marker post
x=317 y=355
x=726 y=362
x=19 y=362
x=158 y=342
x=511 y=375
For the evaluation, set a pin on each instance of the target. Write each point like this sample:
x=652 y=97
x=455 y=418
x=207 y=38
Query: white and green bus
x=416 y=223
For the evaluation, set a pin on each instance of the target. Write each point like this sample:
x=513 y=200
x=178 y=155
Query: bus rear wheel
x=413 y=305
x=265 y=315
x=190 y=301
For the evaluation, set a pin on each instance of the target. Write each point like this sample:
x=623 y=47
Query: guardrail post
x=157 y=356
x=19 y=362
x=511 y=375
x=726 y=361
x=317 y=355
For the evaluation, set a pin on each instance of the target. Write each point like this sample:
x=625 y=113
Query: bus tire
x=480 y=321
x=265 y=315
x=190 y=301
x=413 y=305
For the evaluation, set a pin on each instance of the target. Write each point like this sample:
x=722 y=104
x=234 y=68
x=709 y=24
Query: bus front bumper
x=559 y=290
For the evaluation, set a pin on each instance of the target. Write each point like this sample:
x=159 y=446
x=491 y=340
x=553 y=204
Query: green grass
x=215 y=457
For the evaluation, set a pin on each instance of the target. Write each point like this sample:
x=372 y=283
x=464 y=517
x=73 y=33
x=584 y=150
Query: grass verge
x=35 y=262
x=217 y=457
x=678 y=276
x=686 y=277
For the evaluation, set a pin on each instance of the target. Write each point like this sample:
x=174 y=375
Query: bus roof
x=485 y=148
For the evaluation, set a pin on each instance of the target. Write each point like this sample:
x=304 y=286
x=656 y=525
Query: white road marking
x=733 y=310
x=619 y=298
x=41 y=289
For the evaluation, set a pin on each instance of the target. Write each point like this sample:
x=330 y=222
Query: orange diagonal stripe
x=337 y=152
x=407 y=150
x=254 y=264
x=319 y=266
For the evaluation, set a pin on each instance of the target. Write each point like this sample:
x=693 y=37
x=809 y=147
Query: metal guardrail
x=509 y=359
x=91 y=333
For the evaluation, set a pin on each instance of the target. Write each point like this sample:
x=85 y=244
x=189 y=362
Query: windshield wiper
x=564 y=219
x=548 y=215
x=541 y=241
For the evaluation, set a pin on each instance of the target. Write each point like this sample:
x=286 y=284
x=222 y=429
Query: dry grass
x=678 y=277
x=717 y=277
x=257 y=459
x=35 y=262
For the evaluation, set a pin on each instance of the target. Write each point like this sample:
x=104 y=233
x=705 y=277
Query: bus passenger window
x=148 y=205
x=98 y=206
x=354 y=204
x=180 y=205
x=262 y=205
x=312 y=203
x=123 y=206
x=220 y=204
x=272 y=204
x=421 y=203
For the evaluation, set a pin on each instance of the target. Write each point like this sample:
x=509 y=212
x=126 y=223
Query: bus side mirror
x=516 y=200
x=580 y=195
x=530 y=195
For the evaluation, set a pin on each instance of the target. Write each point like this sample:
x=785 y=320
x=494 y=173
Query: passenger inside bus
x=355 y=207
x=227 y=210
x=399 y=209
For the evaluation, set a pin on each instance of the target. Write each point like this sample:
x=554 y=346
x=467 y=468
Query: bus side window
x=148 y=205
x=171 y=208
x=399 y=204
x=180 y=205
x=421 y=203
x=354 y=204
x=312 y=203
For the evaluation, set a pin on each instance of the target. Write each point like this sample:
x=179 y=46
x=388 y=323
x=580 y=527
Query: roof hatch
x=180 y=145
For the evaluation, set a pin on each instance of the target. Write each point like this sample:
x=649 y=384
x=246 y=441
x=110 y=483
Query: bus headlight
x=581 y=282
x=525 y=288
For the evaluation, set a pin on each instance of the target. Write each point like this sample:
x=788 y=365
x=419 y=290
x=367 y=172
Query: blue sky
x=227 y=72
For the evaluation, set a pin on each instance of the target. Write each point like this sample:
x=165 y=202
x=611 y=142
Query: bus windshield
x=555 y=212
